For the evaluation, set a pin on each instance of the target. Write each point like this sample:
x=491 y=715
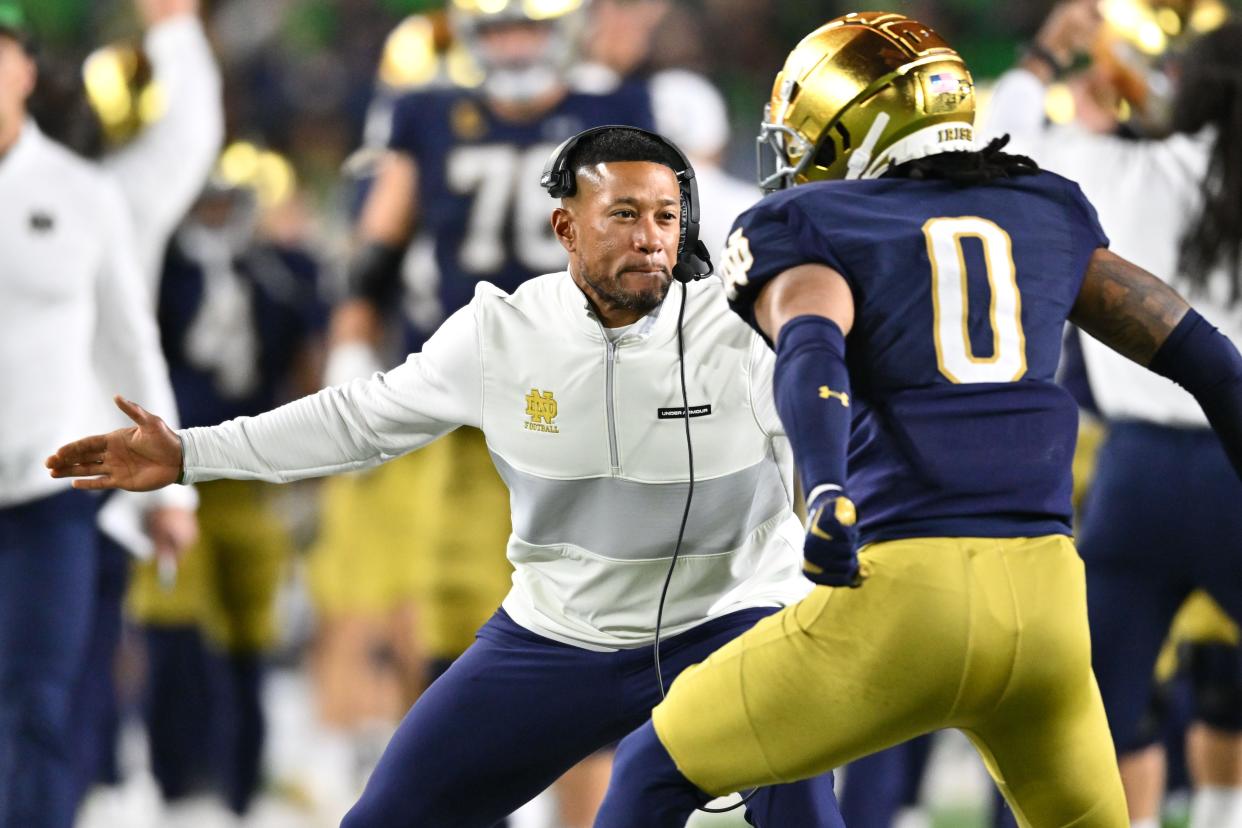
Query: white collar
x=642 y=328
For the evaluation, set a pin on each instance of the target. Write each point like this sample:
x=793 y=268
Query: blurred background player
x=1155 y=149
x=461 y=169
x=157 y=118
x=75 y=296
x=691 y=112
x=241 y=321
x=369 y=659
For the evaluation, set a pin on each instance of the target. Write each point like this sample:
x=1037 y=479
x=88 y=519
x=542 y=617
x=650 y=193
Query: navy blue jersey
x=232 y=330
x=961 y=295
x=478 y=180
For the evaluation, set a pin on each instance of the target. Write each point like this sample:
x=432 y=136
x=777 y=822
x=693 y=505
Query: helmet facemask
x=526 y=77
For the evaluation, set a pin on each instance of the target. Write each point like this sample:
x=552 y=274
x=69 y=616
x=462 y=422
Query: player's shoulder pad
x=593 y=79
x=423 y=96
x=1084 y=221
x=421 y=109
x=781 y=231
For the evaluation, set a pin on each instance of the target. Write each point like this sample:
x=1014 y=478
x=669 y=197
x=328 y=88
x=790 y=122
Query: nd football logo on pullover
x=541 y=408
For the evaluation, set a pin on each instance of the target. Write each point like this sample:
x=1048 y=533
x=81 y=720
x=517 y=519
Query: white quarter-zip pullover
x=75 y=324
x=1146 y=193
x=586 y=433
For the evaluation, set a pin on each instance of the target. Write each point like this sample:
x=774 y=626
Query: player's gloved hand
x=830 y=554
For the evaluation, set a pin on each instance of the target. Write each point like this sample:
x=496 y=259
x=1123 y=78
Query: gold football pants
x=985 y=635
x=227 y=581
x=428 y=528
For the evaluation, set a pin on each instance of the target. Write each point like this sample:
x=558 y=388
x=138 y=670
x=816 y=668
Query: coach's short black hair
x=621 y=144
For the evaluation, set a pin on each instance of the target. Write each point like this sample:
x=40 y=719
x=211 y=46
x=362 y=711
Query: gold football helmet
x=1137 y=38
x=421 y=52
x=860 y=94
x=515 y=76
x=121 y=90
x=244 y=166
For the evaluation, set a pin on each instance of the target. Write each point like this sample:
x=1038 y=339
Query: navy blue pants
x=1164 y=516
x=96 y=716
x=517 y=710
x=876 y=787
x=48 y=559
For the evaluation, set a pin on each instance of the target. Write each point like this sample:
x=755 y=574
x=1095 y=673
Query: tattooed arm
x=1126 y=308
x=1140 y=317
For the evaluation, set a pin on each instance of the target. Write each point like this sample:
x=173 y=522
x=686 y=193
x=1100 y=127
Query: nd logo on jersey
x=541 y=408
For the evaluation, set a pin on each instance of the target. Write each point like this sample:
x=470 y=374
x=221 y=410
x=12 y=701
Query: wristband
x=1038 y=52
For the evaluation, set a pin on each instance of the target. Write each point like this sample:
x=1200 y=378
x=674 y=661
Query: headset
x=693 y=263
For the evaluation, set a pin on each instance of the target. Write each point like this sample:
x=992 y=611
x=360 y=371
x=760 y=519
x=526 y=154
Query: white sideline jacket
x=161 y=172
x=597 y=477
x=75 y=322
x=1146 y=193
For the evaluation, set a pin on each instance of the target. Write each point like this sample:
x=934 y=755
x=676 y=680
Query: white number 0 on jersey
x=950 y=301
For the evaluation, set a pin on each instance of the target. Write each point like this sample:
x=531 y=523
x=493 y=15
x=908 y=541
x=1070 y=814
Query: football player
x=1170 y=203
x=691 y=112
x=362 y=580
x=952 y=269
x=240 y=321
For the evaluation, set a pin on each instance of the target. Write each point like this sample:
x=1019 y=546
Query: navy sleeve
x=1085 y=230
x=315 y=312
x=767 y=240
x=641 y=108
x=405 y=135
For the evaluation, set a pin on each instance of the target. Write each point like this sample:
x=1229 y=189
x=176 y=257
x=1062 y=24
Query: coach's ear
x=563 y=224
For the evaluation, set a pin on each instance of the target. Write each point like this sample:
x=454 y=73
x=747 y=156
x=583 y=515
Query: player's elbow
x=805 y=290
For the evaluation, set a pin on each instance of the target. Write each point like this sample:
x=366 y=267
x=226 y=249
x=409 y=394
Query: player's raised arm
x=1142 y=318
x=384 y=229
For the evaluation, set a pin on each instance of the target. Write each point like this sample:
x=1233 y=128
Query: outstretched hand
x=140 y=458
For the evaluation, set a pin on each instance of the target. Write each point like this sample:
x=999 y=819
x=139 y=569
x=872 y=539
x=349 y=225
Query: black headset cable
x=681 y=531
